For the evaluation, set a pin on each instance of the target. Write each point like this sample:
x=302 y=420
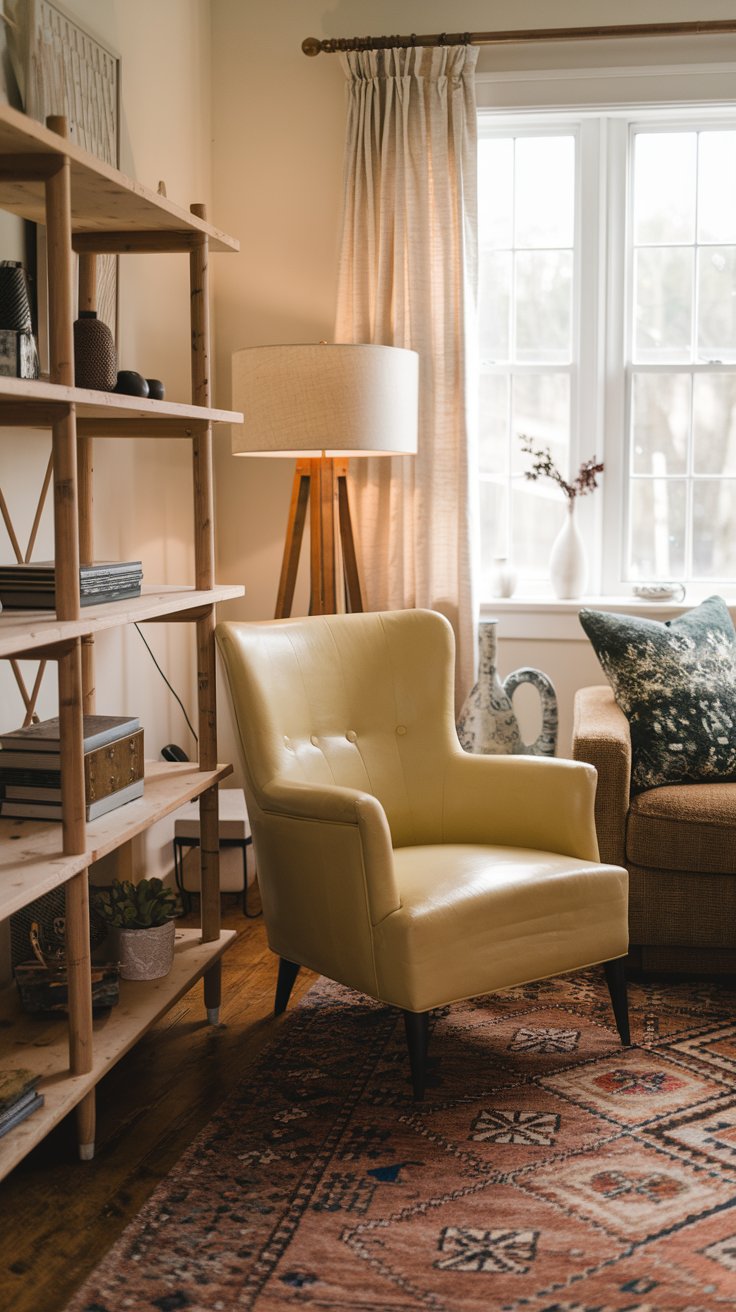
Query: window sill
x=548 y=619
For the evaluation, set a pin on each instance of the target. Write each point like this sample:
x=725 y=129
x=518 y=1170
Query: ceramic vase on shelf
x=487 y=723
x=95 y=357
x=568 y=567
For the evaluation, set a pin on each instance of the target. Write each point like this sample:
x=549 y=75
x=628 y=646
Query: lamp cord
x=168 y=685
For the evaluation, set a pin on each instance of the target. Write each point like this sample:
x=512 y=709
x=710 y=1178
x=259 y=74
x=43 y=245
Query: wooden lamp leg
x=300 y=494
x=354 y=590
x=320 y=485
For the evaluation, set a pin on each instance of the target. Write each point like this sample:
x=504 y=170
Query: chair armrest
x=370 y=863
x=601 y=737
x=521 y=801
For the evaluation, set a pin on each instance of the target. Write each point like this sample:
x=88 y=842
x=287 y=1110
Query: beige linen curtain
x=408 y=271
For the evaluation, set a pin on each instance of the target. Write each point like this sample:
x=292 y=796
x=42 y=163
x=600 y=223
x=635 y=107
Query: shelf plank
x=102 y=198
x=107 y=406
x=31 y=858
x=23 y=631
x=40 y=1043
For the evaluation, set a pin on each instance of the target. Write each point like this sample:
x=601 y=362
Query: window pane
x=541 y=410
x=545 y=191
x=494 y=526
x=663 y=283
x=543 y=305
x=664 y=186
x=660 y=423
x=495 y=190
x=493 y=420
x=717 y=187
x=657 y=528
x=714 y=424
x=537 y=516
x=714 y=542
x=494 y=302
x=717 y=303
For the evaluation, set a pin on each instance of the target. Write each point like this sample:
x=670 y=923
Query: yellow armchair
x=388 y=858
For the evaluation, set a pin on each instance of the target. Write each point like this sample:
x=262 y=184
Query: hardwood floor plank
x=60 y=1216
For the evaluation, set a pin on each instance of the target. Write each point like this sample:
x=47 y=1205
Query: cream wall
x=278 y=120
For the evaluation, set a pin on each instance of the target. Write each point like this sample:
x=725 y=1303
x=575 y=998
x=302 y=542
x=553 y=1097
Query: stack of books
x=18 y=1097
x=30 y=767
x=33 y=586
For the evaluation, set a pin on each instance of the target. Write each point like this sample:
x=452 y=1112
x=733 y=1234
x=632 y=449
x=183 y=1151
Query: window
x=607 y=315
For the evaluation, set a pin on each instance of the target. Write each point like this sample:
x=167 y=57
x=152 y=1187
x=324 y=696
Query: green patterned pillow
x=676 y=683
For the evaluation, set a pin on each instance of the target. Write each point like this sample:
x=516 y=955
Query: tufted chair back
x=367 y=706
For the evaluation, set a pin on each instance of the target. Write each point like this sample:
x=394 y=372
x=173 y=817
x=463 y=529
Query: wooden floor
x=59 y=1216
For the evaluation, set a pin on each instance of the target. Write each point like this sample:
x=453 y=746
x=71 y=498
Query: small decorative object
x=156 y=389
x=567 y=564
x=15 y=304
x=141 y=917
x=95 y=358
x=503 y=577
x=659 y=591
x=18 y=354
x=43 y=983
x=131 y=383
x=487 y=723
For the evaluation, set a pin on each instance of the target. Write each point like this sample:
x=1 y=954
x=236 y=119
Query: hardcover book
x=44 y=736
x=32 y=775
x=15 y=1083
x=19 y=1110
x=23 y=810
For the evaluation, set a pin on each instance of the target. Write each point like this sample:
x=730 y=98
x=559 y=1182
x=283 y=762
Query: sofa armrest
x=601 y=737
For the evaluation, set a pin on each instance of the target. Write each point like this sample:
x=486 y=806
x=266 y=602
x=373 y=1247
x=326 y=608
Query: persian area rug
x=548 y=1170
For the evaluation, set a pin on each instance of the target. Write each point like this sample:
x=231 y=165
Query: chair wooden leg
x=616 y=981
x=288 y=971
x=417 y=1039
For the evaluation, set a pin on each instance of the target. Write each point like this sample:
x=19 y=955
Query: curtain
x=407 y=277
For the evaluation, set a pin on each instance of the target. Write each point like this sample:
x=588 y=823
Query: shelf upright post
x=66 y=559
x=85 y=480
x=204 y=558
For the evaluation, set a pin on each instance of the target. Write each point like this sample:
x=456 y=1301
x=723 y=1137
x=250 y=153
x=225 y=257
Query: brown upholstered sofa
x=678 y=843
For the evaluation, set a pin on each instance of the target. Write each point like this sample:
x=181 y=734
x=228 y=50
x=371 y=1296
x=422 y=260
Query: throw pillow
x=676 y=683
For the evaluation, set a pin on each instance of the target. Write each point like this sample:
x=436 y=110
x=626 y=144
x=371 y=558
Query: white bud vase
x=568 y=567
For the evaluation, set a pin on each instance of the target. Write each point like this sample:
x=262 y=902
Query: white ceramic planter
x=146 y=953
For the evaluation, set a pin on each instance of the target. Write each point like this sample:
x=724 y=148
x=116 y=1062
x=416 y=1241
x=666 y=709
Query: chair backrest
x=364 y=701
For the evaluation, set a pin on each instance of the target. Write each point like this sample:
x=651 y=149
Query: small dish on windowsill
x=659 y=591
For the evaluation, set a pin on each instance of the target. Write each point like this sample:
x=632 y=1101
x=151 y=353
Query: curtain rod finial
x=311 y=46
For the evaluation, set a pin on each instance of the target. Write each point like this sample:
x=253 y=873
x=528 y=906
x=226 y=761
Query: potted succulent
x=141 y=918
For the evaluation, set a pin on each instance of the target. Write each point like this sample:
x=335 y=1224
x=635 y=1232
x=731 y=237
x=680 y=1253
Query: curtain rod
x=312 y=46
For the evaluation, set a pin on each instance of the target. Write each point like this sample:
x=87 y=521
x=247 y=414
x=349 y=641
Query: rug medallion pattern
x=547 y=1170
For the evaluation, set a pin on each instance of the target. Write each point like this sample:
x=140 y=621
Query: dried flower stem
x=544 y=467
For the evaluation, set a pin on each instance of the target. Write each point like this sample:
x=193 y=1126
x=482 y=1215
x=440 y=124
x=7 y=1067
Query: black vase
x=95 y=357
x=15 y=305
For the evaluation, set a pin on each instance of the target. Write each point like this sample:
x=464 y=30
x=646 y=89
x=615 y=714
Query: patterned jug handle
x=546 y=743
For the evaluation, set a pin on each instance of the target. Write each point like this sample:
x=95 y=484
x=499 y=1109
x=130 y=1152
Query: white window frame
x=603 y=105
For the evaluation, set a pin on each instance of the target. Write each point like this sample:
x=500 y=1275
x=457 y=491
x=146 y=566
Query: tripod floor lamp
x=322 y=403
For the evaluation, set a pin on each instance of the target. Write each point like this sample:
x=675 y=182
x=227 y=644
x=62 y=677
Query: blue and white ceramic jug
x=487 y=723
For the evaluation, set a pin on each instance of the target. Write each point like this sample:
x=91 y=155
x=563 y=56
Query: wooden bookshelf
x=39 y=1043
x=89 y=208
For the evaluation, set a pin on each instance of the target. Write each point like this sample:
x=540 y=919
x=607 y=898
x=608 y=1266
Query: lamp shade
x=332 y=398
